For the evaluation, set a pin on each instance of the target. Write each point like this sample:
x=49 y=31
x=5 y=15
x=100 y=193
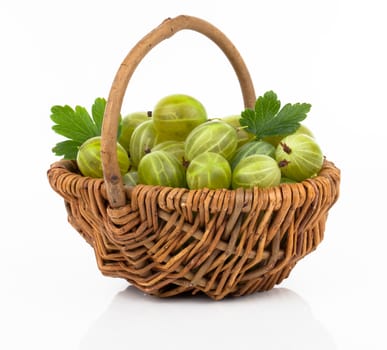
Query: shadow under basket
x=168 y=241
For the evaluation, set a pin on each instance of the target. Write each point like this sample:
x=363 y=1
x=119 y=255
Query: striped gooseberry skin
x=89 y=158
x=143 y=139
x=208 y=170
x=242 y=135
x=130 y=178
x=299 y=157
x=257 y=170
x=250 y=148
x=213 y=136
x=161 y=168
x=176 y=148
x=176 y=115
x=128 y=124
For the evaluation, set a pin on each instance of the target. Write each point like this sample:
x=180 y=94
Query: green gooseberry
x=252 y=147
x=299 y=157
x=209 y=170
x=242 y=135
x=176 y=148
x=144 y=138
x=213 y=136
x=128 y=124
x=161 y=168
x=130 y=178
x=89 y=158
x=176 y=115
x=257 y=170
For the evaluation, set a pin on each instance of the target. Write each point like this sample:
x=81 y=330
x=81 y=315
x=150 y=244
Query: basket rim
x=328 y=172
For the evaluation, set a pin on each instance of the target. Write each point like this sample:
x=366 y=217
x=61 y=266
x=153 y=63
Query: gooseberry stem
x=286 y=148
x=283 y=163
x=185 y=163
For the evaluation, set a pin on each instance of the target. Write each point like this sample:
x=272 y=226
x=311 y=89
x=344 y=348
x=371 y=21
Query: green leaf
x=288 y=119
x=268 y=120
x=86 y=121
x=77 y=126
x=267 y=106
x=248 y=121
x=68 y=149
x=97 y=111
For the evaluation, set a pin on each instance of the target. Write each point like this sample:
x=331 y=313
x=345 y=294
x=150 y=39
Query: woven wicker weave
x=168 y=241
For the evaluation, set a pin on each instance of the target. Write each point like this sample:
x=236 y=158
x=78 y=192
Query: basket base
x=263 y=284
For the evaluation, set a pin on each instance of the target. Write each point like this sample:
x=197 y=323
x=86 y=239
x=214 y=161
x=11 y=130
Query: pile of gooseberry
x=177 y=145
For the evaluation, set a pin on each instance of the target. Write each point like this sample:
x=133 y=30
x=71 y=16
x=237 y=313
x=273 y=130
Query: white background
x=329 y=53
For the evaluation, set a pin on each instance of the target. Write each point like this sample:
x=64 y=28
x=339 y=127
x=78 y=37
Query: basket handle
x=113 y=179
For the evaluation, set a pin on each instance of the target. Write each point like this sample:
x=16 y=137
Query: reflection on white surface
x=278 y=319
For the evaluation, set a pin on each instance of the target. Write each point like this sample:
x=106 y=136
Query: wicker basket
x=168 y=241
